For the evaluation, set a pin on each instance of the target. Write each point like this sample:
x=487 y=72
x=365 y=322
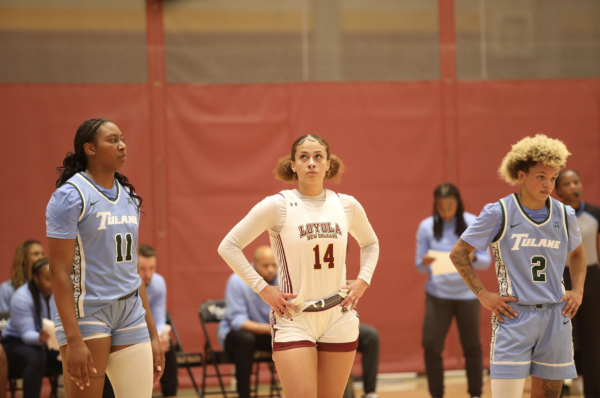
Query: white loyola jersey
x=530 y=256
x=311 y=248
x=105 y=262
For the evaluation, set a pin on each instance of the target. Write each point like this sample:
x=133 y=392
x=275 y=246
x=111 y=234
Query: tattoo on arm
x=460 y=258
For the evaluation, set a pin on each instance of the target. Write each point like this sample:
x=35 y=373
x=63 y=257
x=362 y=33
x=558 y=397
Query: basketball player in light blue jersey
x=532 y=235
x=104 y=324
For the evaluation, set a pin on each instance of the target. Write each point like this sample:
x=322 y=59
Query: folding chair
x=212 y=312
x=185 y=359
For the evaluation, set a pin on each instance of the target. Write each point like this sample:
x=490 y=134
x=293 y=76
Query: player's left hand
x=158 y=359
x=573 y=299
x=356 y=289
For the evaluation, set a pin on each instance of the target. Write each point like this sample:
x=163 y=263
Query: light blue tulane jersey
x=105 y=260
x=529 y=254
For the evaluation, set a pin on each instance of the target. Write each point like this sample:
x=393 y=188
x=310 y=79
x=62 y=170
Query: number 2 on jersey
x=327 y=258
x=537 y=271
x=119 y=244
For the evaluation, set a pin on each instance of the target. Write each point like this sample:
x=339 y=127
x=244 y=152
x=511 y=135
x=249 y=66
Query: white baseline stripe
x=84 y=323
x=511 y=363
x=553 y=364
x=132 y=327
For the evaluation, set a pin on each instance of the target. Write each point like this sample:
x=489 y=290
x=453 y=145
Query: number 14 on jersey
x=327 y=258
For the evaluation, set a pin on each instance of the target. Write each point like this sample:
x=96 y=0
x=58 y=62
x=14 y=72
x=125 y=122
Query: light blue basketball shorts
x=537 y=342
x=124 y=321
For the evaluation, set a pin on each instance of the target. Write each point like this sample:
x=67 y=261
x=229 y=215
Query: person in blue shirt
x=532 y=235
x=104 y=323
x=586 y=326
x=245 y=327
x=156 y=290
x=26 y=254
x=447 y=296
x=23 y=339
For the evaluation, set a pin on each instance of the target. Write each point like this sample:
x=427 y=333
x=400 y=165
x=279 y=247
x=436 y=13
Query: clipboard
x=442 y=265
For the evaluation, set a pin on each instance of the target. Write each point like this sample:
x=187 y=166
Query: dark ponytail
x=447 y=191
x=35 y=293
x=76 y=162
x=125 y=182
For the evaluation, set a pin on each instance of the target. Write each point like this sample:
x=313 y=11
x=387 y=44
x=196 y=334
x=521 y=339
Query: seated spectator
x=368 y=346
x=245 y=327
x=26 y=254
x=23 y=339
x=156 y=290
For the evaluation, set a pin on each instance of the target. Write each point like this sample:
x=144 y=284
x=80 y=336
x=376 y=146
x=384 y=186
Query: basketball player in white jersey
x=313 y=317
x=104 y=323
x=531 y=235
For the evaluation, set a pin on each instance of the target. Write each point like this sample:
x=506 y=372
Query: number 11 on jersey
x=327 y=258
x=119 y=246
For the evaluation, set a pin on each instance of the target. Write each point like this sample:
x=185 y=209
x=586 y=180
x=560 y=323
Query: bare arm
x=158 y=357
x=78 y=358
x=578 y=269
x=256 y=327
x=461 y=258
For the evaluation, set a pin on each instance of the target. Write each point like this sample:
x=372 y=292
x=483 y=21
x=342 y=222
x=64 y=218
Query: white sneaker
x=371 y=395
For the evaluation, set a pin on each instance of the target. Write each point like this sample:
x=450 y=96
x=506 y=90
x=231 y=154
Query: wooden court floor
x=455 y=387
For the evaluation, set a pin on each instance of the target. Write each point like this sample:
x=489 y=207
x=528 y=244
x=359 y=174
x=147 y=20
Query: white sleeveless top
x=271 y=215
x=310 y=250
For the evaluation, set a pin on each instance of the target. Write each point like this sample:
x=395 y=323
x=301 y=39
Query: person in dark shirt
x=586 y=325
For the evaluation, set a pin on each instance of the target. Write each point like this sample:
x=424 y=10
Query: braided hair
x=35 y=293
x=448 y=191
x=76 y=162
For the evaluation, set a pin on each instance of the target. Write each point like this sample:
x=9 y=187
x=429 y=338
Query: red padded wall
x=222 y=142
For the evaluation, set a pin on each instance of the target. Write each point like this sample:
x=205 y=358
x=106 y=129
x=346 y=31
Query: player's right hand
x=44 y=336
x=278 y=300
x=497 y=304
x=427 y=260
x=79 y=360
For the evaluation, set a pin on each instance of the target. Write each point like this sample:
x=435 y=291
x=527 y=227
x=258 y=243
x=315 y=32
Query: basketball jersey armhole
x=81 y=197
x=502 y=226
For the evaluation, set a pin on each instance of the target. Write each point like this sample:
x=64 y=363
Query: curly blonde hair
x=283 y=171
x=529 y=151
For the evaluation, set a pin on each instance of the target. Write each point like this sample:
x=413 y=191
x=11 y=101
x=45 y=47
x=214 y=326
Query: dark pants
x=168 y=381
x=438 y=317
x=29 y=362
x=586 y=332
x=240 y=346
x=368 y=346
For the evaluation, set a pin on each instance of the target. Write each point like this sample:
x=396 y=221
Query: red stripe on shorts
x=338 y=347
x=292 y=344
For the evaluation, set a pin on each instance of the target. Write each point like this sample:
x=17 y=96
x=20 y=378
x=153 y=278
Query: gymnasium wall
x=204 y=136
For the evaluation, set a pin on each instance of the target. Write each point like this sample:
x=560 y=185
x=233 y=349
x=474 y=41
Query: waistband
x=128 y=295
x=327 y=302
x=535 y=307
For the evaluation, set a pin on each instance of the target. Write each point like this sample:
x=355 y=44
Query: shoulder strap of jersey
x=566 y=217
